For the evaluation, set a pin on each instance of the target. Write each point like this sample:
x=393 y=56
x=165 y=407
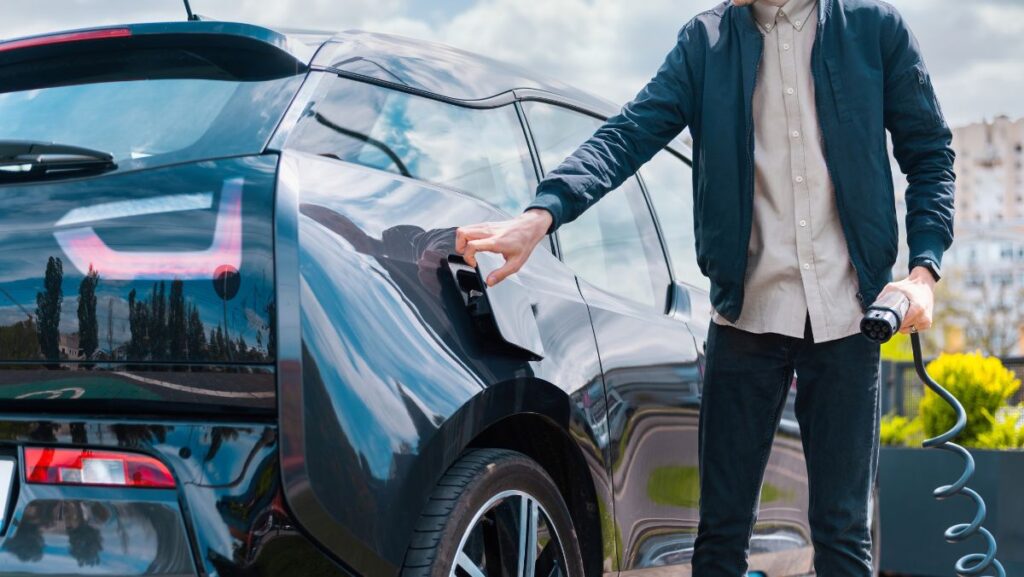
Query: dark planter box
x=913 y=521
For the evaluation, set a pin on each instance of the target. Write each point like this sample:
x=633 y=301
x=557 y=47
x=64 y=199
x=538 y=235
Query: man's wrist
x=923 y=275
x=542 y=217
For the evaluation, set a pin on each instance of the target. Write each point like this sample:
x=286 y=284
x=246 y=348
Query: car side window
x=669 y=182
x=614 y=245
x=481 y=152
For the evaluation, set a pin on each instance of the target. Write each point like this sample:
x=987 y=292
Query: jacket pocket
x=919 y=97
x=839 y=96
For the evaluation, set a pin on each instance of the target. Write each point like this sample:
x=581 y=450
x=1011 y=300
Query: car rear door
x=648 y=355
x=374 y=181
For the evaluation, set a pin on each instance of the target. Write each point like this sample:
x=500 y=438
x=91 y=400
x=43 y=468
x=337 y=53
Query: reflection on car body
x=262 y=294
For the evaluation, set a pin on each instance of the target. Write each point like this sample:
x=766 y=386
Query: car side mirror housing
x=679 y=303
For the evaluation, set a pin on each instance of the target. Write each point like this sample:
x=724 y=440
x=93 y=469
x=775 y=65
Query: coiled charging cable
x=882 y=321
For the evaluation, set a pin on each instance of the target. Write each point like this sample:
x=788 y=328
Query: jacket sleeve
x=922 y=143
x=625 y=142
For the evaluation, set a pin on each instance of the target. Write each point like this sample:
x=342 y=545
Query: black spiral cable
x=883 y=320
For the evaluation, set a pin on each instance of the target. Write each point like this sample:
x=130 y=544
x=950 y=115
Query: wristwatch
x=932 y=266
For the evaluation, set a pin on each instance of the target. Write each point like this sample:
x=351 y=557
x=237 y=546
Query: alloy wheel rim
x=511 y=534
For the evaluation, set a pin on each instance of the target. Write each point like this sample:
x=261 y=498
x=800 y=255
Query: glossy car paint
x=395 y=377
x=383 y=380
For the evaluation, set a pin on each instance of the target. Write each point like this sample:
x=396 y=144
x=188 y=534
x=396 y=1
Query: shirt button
x=807 y=266
x=790 y=91
x=796 y=134
x=799 y=179
x=785 y=46
x=803 y=223
x=798 y=23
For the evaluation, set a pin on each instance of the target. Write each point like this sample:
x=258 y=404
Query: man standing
x=788 y=103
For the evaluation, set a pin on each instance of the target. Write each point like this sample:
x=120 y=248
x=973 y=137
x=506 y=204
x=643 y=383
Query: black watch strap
x=932 y=267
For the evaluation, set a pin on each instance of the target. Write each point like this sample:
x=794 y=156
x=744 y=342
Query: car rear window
x=147 y=106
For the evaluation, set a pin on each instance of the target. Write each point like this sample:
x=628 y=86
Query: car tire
x=474 y=516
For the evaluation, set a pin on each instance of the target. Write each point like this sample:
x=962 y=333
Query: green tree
x=196 y=335
x=20 y=341
x=138 y=325
x=158 y=321
x=48 y=304
x=176 y=321
x=88 y=326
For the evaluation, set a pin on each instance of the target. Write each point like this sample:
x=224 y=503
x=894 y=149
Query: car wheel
x=495 y=512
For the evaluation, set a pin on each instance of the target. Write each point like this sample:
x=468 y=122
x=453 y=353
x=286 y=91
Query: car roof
x=417 y=65
x=447 y=72
x=441 y=69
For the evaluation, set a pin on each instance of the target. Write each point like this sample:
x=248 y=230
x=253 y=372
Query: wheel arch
x=538 y=419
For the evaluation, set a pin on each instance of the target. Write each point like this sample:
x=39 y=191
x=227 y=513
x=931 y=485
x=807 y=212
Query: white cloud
x=975 y=49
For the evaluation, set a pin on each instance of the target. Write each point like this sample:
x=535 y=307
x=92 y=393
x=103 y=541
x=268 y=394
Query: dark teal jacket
x=869 y=77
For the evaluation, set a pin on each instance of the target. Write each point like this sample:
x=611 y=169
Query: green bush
x=897 y=431
x=982 y=384
x=1007 y=431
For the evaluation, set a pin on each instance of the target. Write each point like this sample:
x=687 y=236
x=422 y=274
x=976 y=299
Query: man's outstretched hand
x=514 y=239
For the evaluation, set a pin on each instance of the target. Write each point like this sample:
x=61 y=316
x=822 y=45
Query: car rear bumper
x=225 y=516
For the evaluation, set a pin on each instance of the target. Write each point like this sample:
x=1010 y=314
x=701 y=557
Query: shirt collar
x=798 y=12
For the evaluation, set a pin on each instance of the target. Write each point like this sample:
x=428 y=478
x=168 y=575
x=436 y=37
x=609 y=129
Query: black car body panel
x=340 y=372
x=406 y=381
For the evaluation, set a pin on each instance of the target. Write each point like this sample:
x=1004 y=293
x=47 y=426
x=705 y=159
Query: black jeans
x=746 y=383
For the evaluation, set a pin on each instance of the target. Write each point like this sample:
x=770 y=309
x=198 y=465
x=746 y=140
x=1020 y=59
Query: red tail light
x=97 y=468
x=68 y=37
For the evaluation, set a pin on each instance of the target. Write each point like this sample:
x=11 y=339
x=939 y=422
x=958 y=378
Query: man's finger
x=510 y=267
x=465 y=234
x=915 y=315
x=475 y=246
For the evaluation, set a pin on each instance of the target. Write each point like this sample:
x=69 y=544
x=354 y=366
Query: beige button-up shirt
x=798 y=264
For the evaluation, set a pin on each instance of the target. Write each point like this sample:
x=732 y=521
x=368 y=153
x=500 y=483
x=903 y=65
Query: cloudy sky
x=974 y=48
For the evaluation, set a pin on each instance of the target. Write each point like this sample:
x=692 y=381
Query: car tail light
x=97 y=468
x=85 y=249
x=68 y=37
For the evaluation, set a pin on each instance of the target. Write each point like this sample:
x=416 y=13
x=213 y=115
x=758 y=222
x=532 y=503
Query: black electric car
x=235 y=338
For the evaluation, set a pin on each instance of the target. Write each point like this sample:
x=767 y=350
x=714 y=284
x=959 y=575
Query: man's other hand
x=743 y=2
x=513 y=239
x=919 y=288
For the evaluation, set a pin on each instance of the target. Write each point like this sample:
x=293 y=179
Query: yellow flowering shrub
x=1007 y=431
x=982 y=384
x=899 y=431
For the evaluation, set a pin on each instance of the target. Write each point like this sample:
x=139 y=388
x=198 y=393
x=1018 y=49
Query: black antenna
x=188 y=8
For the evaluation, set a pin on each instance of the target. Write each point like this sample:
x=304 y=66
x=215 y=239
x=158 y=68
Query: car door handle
x=502 y=312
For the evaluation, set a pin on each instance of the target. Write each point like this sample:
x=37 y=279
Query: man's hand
x=919 y=288
x=514 y=239
x=743 y=2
